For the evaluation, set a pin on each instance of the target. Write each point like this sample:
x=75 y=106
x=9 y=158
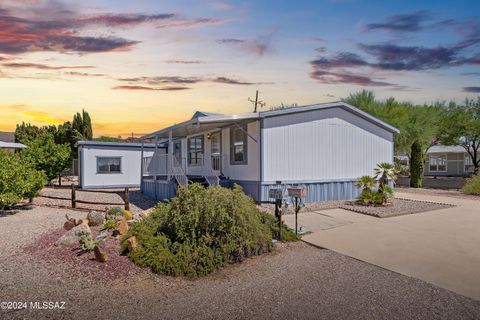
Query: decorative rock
x=132 y=244
x=122 y=227
x=102 y=235
x=73 y=235
x=95 y=218
x=82 y=221
x=68 y=225
x=100 y=255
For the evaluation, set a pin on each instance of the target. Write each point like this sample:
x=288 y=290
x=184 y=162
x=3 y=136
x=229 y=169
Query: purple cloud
x=471 y=89
x=401 y=23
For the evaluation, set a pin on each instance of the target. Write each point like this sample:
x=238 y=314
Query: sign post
x=277 y=194
x=297 y=194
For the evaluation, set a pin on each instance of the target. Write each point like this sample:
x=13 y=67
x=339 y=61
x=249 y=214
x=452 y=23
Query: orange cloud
x=42 y=117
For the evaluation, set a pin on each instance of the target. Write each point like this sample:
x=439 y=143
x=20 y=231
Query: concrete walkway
x=441 y=247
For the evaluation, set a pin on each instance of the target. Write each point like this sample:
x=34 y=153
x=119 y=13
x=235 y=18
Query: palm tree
x=383 y=172
x=366 y=183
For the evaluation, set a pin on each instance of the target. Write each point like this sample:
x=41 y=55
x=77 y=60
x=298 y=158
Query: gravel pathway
x=295 y=281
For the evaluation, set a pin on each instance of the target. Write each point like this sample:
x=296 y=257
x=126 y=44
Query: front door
x=216 y=152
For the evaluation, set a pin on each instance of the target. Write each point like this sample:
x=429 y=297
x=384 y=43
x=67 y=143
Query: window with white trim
x=438 y=163
x=468 y=163
x=109 y=165
x=195 y=151
x=238 y=146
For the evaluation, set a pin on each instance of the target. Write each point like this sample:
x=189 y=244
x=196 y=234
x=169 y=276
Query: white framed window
x=238 y=146
x=468 y=163
x=438 y=163
x=109 y=165
x=195 y=151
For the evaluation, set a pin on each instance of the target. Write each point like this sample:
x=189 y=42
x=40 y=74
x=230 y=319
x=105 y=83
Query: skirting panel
x=158 y=190
x=320 y=191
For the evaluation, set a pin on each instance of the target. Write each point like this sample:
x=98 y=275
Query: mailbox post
x=297 y=194
x=277 y=194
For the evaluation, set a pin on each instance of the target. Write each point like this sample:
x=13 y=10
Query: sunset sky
x=138 y=66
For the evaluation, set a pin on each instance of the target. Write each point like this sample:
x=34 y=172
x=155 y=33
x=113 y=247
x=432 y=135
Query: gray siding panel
x=320 y=191
x=158 y=190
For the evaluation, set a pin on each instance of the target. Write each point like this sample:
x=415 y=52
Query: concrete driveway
x=441 y=247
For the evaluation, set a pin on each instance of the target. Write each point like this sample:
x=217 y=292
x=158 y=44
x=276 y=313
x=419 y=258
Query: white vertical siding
x=130 y=166
x=322 y=145
x=248 y=172
x=251 y=170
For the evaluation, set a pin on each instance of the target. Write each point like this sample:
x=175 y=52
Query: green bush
x=109 y=225
x=472 y=186
x=45 y=155
x=18 y=180
x=199 y=231
x=272 y=223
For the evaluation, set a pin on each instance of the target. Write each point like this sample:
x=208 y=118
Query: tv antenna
x=257 y=103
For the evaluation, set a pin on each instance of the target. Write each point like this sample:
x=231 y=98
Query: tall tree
x=82 y=126
x=460 y=125
x=47 y=156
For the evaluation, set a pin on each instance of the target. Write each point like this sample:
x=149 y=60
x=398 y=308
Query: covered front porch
x=201 y=150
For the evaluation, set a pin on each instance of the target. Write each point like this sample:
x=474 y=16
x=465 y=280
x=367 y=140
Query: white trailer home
x=111 y=164
x=324 y=147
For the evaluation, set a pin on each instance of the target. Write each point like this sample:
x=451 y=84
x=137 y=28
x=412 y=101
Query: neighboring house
x=324 y=147
x=451 y=161
x=110 y=164
x=7 y=142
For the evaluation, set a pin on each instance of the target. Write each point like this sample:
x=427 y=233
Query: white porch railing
x=169 y=166
x=164 y=165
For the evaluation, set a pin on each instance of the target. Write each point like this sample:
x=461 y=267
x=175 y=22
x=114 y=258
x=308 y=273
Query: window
x=438 y=163
x=195 y=151
x=468 y=163
x=109 y=165
x=238 y=146
x=177 y=151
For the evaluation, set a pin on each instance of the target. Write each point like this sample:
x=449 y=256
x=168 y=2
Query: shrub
x=18 y=180
x=472 y=186
x=127 y=214
x=109 y=225
x=200 y=230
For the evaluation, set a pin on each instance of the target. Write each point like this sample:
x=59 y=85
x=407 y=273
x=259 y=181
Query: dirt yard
x=295 y=281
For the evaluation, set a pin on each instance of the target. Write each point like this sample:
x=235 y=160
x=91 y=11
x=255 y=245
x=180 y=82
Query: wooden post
x=127 y=200
x=74 y=204
x=59 y=179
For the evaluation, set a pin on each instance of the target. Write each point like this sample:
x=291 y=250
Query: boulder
x=103 y=235
x=73 y=235
x=132 y=244
x=95 y=218
x=68 y=225
x=100 y=255
x=122 y=227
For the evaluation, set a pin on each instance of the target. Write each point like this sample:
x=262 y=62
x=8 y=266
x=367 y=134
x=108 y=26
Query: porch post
x=155 y=166
x=170 y=152
x=141 y=167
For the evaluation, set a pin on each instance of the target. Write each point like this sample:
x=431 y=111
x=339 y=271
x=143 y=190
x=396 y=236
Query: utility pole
x=257 y=103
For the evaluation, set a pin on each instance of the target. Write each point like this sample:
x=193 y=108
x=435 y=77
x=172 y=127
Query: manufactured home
x=323 y=147
x=111 y=164
x=451 y=161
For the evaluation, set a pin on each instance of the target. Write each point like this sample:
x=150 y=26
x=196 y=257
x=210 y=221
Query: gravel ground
x=439 y=192
x=295 y=281
x=138 y=202
x=397 y=207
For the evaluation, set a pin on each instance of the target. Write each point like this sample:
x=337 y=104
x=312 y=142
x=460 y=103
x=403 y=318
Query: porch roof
x=201 y=124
